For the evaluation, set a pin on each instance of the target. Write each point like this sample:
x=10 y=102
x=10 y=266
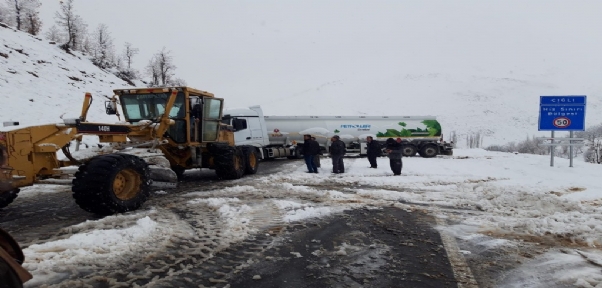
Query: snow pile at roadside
x=95 y=244
x=295 y=211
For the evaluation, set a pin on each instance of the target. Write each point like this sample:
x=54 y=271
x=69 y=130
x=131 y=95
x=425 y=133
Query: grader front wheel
x=229 y=162
x=126 y=184
x=112 y=183
x=251 y=160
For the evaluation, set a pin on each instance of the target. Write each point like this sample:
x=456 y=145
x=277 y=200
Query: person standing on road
x=337 y=151
x=317 y=156
x=310 y=150
x=373 y=151
x=394 y=152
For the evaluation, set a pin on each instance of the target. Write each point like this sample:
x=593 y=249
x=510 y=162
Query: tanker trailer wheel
x=112 y=183
x=297 y=153
x=8 y=197
x=429 y=151
x=409 y=150
x=251 y=160
x=229 y=162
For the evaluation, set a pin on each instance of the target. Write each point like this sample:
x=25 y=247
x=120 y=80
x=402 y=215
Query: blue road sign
x=562 y=113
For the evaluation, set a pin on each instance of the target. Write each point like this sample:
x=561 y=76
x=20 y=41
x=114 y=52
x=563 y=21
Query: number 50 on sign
x=562 y=122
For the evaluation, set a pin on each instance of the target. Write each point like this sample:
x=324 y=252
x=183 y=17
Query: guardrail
x=561 y=141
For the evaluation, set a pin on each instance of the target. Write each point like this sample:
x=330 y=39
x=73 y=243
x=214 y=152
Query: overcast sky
x=245 y=50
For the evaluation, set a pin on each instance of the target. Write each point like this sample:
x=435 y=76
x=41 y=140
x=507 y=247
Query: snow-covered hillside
x=40 y=82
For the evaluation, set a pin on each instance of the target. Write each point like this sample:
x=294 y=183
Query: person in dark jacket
x=310 y=150
x=317 y=156
x=394 y=152
x=337 y=151
x=373 y=151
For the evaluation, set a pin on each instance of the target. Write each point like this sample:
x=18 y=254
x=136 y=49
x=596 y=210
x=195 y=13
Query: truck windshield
x=138 y=107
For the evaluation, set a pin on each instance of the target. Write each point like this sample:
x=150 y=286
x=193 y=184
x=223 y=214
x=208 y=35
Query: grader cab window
x=151 y=106
x=212 y=114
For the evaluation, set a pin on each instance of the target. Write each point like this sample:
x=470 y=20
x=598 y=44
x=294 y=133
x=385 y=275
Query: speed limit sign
x=562 y=122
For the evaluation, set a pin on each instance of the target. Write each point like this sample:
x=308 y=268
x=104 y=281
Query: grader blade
x=163 y=177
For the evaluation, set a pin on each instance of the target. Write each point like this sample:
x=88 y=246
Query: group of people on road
x=312 y=152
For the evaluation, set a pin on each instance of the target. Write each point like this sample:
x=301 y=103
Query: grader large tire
x=229 y=162
x=112 y=183
x=8 y=197
x=251 y=159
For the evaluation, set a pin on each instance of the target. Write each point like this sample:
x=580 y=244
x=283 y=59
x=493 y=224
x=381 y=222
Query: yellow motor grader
x=165 y=131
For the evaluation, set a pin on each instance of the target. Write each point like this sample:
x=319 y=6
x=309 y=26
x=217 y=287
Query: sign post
x=571 y=149
x=562 y=113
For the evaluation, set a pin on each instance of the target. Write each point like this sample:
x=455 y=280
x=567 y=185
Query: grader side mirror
x=110 y=108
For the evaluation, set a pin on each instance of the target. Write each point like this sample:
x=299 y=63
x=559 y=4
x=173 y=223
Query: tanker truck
x=281 y=136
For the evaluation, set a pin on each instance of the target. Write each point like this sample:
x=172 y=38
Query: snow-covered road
x=517 y=220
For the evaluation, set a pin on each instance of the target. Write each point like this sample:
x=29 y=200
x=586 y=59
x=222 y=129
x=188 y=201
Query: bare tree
x=166 y=67
x=15 y=11
x=128 y=54
x=453 y=138
x=73 y=25
x=161 y=69
x=594 y=151
x=474 y=140
x=23 y=14
x=178 y=82
x=4 y=14
x=33 y=23
x=87 y=45
x=53 y=34
x=125 y=70
x=153 y=72
x=103 y=51
x=593 y=143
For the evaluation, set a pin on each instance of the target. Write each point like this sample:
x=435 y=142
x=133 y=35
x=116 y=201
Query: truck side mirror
x=110 y=108
x=239 y=124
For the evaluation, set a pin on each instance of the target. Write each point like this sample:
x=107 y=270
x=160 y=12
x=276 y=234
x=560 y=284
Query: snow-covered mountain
x=40 y=82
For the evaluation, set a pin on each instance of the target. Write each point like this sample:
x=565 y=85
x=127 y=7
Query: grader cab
x=165 y=131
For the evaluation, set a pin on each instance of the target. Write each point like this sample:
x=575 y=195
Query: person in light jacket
x=337 y=151
x=394 y=153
